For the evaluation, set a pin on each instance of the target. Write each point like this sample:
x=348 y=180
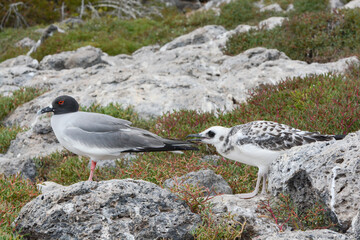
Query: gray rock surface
x=48 y=186
x=54 y=62
x=327 y=172
x=83 y=57
x=25 y=42
x=244 y=209
x=116 y=209
x=203 y=178
x=323 y=234
x=21 y=60
x=355 y=226
x=23 y=165
x=275 y=7
x=186 y=5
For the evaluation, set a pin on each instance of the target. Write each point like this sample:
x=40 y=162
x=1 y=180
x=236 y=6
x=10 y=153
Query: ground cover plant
x=15 y=192
x=9 y=104
x=286 y=214
x=310 y=37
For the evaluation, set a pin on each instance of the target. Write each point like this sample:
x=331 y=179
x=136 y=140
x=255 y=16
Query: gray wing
x=98 y=122
x=103 y=131
x=114 y=141
x=275 y=136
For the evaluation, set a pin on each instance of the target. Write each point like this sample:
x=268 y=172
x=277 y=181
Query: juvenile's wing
x=275 y=136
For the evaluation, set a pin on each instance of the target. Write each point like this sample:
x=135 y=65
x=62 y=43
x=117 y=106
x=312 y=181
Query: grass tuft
x=7 y=105
x=6 y=136
x=286 y=215
x=226 y=227
x=21 y=96
x=15 y=192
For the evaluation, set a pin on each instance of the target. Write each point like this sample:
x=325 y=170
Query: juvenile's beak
x=45 y=110
x=198 y=137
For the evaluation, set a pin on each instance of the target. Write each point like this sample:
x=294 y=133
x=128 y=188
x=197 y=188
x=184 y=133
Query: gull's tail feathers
x=169 y=145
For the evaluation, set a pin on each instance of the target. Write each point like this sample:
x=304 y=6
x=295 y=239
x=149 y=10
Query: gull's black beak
x=198 y=137
x=45 y=110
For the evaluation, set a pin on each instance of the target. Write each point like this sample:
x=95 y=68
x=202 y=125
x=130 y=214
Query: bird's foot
x=247 y=195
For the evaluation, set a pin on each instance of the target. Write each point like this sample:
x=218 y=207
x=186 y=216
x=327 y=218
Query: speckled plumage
x=271 y=135
x=258 y=144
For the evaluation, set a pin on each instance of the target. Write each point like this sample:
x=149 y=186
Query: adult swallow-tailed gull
x=102 y=137
x=258 y=143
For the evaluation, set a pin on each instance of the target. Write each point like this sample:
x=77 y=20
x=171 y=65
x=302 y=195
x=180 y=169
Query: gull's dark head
x=214 y=135
x=61 y=105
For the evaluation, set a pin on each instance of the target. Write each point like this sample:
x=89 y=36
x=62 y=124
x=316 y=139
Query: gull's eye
x=60 y=102
x=211 y=134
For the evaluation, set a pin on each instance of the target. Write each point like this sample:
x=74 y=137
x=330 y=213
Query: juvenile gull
x=258 y=144
x=102 y=137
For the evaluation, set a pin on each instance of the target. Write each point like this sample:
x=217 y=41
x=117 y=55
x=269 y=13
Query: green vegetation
x=311 y=37
x=285 y=214
x=327 y=103
x=9 y=104
x=6 y=135
x=15 y=192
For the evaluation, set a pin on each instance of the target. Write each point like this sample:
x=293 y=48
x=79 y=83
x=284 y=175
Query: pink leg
x=92 y=168
x=252 y=194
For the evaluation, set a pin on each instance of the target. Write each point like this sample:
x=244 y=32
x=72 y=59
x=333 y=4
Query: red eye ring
x=60 y=102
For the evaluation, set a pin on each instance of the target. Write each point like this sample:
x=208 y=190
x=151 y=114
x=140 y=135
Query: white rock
x=290 y=7
x=46 y=187
x=352 y=4
x=244 y=28
x=336 y=4
x=214 y=4
x=271 y=23
x=272 y=7
x=25 y=42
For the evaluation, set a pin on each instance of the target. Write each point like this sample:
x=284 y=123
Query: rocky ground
x=190 y=72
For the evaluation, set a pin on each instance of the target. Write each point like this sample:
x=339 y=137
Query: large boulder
x=116 y=209
x=83 y=57
x=325 y=172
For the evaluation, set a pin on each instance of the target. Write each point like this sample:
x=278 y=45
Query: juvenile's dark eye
x=211 y=134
